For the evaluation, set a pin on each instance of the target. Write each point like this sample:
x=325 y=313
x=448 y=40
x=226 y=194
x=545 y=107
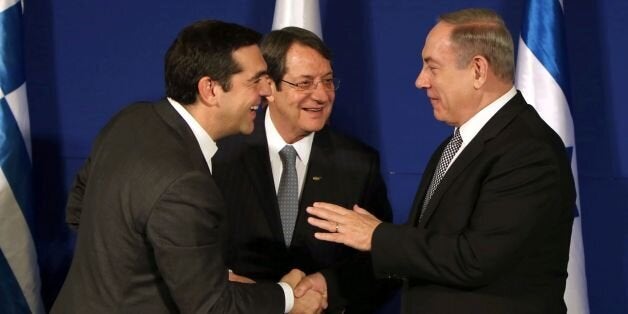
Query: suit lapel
x=257 y=163
x=491 y=129
x=425 y=181
x=174 y=120
x=319 y=172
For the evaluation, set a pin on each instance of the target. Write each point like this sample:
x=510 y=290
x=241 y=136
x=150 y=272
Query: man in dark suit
x=150 y=219
x=329 y=167
x=490 y=226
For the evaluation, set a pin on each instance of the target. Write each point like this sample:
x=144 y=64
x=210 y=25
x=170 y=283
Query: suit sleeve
x=523 y=194
x=186 y=230
x=74 y=207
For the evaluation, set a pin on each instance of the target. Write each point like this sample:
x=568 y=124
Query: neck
x=206 y=118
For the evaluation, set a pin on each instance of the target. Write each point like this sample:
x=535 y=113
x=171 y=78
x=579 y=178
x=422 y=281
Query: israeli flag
x=300 y=13
x=19 y=273
x=543 y=79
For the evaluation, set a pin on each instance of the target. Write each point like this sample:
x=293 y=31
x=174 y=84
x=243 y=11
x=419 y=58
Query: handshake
x=310 y=292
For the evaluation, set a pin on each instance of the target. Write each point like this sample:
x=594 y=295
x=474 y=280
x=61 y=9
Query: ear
x=480 y=69
x=207 y=91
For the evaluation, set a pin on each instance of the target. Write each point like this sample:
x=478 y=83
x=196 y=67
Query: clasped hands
x=310 y=292
x=353 y=228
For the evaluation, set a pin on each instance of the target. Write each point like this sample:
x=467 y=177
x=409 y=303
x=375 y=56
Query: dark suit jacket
x=340 y=171
x=495 y=235
x=152 y=226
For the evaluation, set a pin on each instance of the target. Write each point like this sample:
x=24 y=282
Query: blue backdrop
x=85 y=60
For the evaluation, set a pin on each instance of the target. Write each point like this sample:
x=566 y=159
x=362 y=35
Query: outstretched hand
x=352 y=228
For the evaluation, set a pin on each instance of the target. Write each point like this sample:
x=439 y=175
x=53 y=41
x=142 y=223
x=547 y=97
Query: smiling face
x=297 y=113
x=450 y=88
x=238 y=105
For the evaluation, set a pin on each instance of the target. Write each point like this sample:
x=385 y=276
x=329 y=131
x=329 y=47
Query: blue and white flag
x=300 y=13
x=19 y=273
x=542 y=77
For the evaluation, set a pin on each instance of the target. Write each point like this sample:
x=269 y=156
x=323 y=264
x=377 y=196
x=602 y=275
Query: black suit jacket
x=495 y=235
x=340 y=171
x=151 y=226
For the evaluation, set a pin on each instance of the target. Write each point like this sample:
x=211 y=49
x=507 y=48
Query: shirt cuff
x=289 y=296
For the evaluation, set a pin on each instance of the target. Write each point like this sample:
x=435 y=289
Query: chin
x=248 y=130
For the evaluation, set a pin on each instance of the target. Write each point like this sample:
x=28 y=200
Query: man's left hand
x=353 y=228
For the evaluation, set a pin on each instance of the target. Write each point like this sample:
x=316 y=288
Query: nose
x=421 y=81
x=320 y=94
x=264 y=87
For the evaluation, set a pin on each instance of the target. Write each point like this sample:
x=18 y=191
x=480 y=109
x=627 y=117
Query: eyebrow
x=312 y=77
x=258 y=75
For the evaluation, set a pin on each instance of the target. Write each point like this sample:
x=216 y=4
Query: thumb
x=360 y=210
x=302 y=288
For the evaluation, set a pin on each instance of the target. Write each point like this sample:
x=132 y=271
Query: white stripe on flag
x=301 y=13
x=19 y=107
x=5 y=4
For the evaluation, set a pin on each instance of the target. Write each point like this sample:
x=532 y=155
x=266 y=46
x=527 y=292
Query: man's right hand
x=310 y=302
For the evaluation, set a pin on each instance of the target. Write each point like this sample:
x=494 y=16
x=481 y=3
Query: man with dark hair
x=268 y=192
x=150 y=219
x=490 y=227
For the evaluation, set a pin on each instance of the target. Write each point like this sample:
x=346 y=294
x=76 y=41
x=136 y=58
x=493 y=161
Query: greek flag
x=19 y=273
x=543 y=79
x=301 y=13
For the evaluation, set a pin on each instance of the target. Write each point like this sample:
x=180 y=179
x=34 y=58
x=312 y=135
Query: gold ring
x=337 y=227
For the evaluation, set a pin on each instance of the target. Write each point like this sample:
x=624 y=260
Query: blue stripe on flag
x=14 y=160
x=543 y=34
x=11 y=298
x=11 y=63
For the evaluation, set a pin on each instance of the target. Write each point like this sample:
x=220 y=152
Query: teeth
x=254 y=108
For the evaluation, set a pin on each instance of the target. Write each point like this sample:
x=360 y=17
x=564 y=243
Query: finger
x=360 y=210
x=329 y=237
x=325 y=214
x=365 y=213
x=323 y=224
x=332 y=207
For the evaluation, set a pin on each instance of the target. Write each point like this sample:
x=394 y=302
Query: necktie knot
x=288 y=155
x=456 y=140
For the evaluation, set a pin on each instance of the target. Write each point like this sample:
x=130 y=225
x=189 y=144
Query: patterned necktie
x=288 y=194
x=450 y=151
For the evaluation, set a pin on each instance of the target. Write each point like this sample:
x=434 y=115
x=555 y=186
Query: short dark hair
x=204 y=49
x=482 y=32
x=276 y=44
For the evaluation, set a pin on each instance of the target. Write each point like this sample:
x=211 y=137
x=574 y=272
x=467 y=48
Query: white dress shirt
x=276 y=143
x=472 y=127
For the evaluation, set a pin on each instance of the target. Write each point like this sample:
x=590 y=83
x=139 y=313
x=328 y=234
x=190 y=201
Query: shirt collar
x=207 y=144
x=276 y=142
x=472 y=127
